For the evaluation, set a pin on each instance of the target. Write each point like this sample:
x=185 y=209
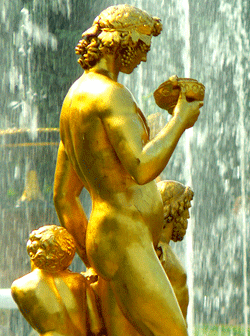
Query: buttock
x=109 y=236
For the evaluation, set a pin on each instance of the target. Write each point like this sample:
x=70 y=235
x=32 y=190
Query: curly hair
x=51 y=248
x=176 y=199
x=123 y=26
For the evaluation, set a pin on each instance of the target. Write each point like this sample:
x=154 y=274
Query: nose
x=187 y=215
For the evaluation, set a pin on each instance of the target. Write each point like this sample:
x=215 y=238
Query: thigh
x=115 y=322
x=145 y=295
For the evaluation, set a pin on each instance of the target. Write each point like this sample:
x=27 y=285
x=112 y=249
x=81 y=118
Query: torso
x=120 y=205
x=53 y=302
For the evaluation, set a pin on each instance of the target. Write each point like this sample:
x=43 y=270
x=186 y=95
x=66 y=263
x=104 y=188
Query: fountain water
x=209 y=43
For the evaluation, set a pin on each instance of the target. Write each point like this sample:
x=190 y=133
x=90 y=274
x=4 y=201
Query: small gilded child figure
x=51 y=297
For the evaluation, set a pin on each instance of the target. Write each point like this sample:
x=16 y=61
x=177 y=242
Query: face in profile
x=37 y=245
x=140 y=55
x=176 y=199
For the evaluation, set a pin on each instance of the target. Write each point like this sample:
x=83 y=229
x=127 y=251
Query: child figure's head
x=176 y=202
x=51 y=248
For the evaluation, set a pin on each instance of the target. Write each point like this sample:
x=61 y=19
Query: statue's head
x=51 y=248
x=176 y=202
x=123 y=28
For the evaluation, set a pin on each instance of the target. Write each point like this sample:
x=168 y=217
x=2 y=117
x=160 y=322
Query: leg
x=145 y=295
x=115 y=321
x=121 y=251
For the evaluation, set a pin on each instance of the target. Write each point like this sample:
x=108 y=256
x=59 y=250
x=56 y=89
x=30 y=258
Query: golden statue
x=52 y=248
x=105 y=147
x=53 y=299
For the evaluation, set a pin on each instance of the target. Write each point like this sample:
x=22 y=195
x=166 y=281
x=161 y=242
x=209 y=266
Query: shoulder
x=23 y=281
x=118 y=101
x=101 y=87
x=74 y=281
x=99 y=96
x=77 y=276
x=24 y=286
x=74 y=278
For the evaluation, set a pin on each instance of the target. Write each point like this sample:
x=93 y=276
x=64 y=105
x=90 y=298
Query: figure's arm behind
x=67 y=189
x=177 y=277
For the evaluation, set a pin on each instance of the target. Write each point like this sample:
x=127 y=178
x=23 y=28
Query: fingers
x=182 y=94
x=188 y=112
x=194 y=103
x=174 y=80
x=197 y=104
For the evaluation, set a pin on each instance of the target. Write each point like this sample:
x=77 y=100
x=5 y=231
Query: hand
x=174 y=80
x=187 y=112
x=90 y=275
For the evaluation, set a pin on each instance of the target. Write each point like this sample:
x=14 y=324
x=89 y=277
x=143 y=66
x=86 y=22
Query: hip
x=113 y=231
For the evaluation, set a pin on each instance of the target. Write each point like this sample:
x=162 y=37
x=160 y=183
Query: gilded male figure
x=105 y=148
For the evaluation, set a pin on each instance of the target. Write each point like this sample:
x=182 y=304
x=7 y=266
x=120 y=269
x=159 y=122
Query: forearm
x=156 y=153
x=67 y=189
x=73 y=218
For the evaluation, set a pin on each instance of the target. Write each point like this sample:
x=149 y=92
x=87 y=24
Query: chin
x=127 y=71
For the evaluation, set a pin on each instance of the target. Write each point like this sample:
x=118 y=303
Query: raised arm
x=146 y=161
x=67 y=189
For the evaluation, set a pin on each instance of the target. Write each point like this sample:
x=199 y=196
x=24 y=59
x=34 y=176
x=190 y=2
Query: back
x=52 y=304
x=85 y=139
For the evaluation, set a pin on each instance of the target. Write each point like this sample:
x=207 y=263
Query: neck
x=107 y=66
x=167 y=233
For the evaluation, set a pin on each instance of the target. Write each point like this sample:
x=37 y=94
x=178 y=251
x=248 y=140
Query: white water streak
x=186 y=58
x=239 y=83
